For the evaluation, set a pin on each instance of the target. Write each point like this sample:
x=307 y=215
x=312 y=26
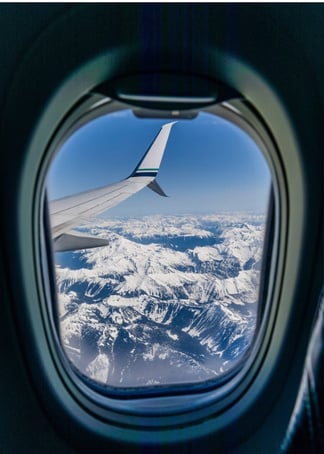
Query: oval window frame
x=177 y=400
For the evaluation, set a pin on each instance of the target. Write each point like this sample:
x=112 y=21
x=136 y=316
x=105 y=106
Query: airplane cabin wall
x=46 y=48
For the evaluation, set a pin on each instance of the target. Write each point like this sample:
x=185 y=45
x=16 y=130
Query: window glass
x=171 y=295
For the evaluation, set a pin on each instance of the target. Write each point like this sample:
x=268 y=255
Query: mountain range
x=171 y=299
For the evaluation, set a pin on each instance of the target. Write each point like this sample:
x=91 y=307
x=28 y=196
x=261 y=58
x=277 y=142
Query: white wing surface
x=77 y=209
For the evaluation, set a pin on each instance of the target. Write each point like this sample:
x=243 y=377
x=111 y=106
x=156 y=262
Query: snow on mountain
x=169 y=300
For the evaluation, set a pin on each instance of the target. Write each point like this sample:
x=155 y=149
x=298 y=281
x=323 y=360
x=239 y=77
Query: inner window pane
x=171 y=297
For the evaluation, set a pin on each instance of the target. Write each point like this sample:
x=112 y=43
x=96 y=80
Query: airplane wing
x=77 y=209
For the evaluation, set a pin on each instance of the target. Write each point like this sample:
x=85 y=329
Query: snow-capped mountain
x=171 y=299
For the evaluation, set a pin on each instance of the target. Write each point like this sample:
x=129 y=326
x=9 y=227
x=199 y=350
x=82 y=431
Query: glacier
x=170 y=300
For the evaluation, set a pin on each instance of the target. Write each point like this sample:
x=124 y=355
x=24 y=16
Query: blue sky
x=209 y=165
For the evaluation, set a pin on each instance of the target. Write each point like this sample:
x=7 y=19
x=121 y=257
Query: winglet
x=150 y=164
x=154 y=185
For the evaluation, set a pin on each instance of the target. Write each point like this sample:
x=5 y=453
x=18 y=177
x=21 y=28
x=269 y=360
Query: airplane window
x=158 y=231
